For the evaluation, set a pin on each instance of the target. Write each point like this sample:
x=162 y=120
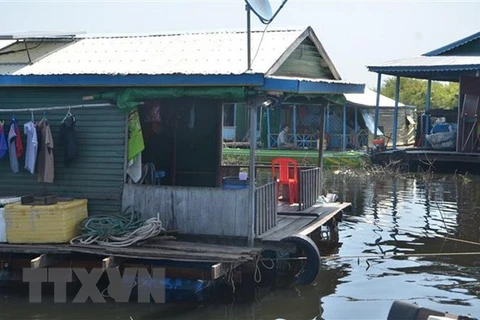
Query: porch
x=221 y=213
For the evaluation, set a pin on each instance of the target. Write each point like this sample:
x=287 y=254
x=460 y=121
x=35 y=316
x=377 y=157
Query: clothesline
x=79 y=106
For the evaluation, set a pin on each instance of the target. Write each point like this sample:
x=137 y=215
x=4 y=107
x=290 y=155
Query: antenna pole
x=249 y=51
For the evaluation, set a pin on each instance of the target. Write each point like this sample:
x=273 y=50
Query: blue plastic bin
x=233 y=183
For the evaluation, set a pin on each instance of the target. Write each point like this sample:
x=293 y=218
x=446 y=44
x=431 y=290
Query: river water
x=430 y=223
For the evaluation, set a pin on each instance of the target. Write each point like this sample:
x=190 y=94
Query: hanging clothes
x=45 y=153
x=68 y=138
x=32 y=146
x=3 y=142
x=12 y=135
x=18 y=139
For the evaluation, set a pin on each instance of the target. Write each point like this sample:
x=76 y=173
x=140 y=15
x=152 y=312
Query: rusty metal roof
x=183 y=53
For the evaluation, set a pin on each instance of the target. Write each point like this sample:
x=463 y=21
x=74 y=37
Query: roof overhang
x=310 y=86
x=279 y=84
x=440 y=68
x=173 y=80
x=437 y=73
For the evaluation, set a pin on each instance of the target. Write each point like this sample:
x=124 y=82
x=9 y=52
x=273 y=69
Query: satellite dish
x=263 y=11
x=261 y=8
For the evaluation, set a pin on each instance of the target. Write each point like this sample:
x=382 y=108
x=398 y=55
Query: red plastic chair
x=281 y=170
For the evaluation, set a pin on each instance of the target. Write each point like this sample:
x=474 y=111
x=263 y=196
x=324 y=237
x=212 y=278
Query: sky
x=354 y=33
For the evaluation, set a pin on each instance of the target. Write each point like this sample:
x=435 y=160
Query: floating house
x=149 y=114
x=454 y=145
x=349 y=123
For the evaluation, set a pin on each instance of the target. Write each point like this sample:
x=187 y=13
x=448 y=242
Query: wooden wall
x=192 y=210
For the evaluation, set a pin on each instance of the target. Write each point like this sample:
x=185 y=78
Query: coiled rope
x=257 y=276
x=120 y=230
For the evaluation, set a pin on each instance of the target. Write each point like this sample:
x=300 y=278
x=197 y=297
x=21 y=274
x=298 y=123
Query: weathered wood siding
x=192 y=210
x=305 y=61
x=97 y=174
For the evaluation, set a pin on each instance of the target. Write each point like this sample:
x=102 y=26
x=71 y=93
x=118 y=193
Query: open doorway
x=183 y=140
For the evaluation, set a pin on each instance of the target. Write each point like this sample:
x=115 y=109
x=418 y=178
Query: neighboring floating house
x=155 y=102
x=456 y=62
x=365 y=103
x=349 y=123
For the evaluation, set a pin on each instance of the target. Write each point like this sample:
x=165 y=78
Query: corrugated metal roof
x=17 y=53
x=191 y=53
x=453 y=45
x=369 y=99
x=316 y=80
x=429 y=63
x=4 y=43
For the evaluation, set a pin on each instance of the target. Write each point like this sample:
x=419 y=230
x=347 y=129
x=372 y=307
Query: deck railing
x=310 y=187
x=265 y=207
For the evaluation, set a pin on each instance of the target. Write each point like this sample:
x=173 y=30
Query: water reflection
x=397 y=243
x=411 y=216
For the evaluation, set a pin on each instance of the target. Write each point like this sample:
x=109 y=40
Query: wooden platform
x=442 y=161
x=153 y=250
x=291 y=221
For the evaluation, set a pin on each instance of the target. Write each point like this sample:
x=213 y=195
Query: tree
x=414 y=92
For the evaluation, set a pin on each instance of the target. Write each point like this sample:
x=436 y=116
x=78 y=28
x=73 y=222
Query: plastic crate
x=55 y=223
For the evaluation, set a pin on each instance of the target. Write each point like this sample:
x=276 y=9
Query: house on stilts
x=148 y=112
x=448 y=140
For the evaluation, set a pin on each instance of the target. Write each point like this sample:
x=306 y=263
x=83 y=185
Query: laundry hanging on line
x=3 y=141
x=31 y=150
x=68 y=138
x=12 y=148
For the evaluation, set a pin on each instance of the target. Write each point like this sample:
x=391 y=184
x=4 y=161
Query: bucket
x=233 y=183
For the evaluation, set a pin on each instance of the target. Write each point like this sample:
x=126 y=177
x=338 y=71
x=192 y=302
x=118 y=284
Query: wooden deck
x=156 y=249
x=443 y=161
x=291 y=221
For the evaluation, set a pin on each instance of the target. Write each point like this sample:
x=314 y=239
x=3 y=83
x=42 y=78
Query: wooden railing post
x=265 y=207
x=310 y=182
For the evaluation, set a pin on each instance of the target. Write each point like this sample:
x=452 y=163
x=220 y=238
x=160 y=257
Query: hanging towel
x=45 y=153
x=3 y=142
x=32 y=146
x=12 y=148
x=134 y=169
x=136 y=145
x=135 y=136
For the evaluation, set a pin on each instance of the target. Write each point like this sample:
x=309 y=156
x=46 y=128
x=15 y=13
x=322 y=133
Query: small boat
x=401 y=310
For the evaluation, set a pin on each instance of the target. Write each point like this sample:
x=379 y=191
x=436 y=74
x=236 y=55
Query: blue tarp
x=370 y=122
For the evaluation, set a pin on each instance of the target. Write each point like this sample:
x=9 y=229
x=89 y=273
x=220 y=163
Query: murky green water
x=414 y=217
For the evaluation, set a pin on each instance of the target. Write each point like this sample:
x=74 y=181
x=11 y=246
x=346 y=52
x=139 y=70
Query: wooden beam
x=324 y=219
x=109 y=262
x=221 y=269
x=45 y=260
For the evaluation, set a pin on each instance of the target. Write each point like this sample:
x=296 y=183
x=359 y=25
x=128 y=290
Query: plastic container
x=3 y=227
x=234 y=183
x=159 y=174
x=55 y=223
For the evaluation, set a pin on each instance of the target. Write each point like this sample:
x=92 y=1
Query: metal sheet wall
x=98 y=171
